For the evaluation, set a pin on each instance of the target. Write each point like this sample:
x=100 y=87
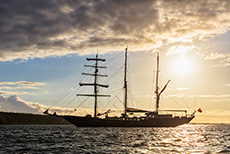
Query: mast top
x=95 y=59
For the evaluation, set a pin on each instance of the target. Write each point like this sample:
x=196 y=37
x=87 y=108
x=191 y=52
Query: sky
x=44 y=45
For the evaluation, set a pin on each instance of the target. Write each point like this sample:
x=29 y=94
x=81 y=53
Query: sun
x=182 y=65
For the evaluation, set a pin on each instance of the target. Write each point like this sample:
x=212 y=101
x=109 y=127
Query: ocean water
x=70 y=139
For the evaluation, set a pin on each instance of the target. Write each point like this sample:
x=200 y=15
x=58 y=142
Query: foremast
x=95 y=84
x=157 y=88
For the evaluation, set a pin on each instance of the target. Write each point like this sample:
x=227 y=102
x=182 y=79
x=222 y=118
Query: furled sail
x=135 y=110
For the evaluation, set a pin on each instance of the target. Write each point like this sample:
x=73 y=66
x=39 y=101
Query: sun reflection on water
x=187 y=139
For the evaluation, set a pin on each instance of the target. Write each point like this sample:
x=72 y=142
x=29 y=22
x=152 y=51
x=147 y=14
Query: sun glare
x=182 y=65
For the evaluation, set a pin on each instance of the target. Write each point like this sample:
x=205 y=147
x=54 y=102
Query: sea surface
x=191 y=138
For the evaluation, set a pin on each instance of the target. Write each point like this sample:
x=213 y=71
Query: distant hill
x=12 y=118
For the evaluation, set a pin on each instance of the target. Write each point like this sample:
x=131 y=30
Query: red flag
x=199 y=110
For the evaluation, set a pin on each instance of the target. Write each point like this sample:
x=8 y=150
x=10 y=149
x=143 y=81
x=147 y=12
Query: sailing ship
x=150 y=118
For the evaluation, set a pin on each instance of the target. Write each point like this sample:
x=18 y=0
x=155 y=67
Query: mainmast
x=95 y=84
x=157 y=94
x=157 y=87
x=125 y=84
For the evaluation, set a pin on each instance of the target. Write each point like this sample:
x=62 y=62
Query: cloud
x=182 y=89
x=179 y=49
x=18 y=85
x=14 y=93
x=15 y=104
x=227 y=85
x=223 y=58
x=9 y=88
x=201 y=96
x=29 y=83
x=55 y=28
x=24 y=83
x=215 y=96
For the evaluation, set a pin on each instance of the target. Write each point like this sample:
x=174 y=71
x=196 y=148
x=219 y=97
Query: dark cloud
x=28 y=28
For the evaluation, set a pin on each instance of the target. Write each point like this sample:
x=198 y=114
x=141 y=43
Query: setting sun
x=182 y=65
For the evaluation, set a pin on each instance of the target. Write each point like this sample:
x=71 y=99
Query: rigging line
x=67 y=87
x=74 y=84
x=82 y=103
x=71 y=90
x=116 y=96
x=142 y=61
x=152 y=90
x=64 y=102
x=101 y=103
x=78 y=105
x=67 y=95
x=114 y=74
x=118 y=109
x=174 y=100
x=115 y=106
x=84 y=87
x=70 y=102
x=115 y=90
x=114 y=67
x=129 y=77
x=112 y=59
x=63 y=97
x=54 y=101
x=119 y=100
x=181 y=96
x=85 y=99
x=138 y=101
x=131 y=97
x=116 y=82
x=133 y=101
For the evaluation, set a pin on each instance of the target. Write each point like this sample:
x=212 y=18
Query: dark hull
x=147 y=122
x=12 y=118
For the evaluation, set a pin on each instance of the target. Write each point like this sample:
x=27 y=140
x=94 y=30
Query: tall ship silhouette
x=127 y=119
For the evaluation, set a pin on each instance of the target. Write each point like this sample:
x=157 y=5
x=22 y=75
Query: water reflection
x=70 y=139
x=188 y=139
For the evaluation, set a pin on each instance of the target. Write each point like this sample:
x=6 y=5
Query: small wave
x=139 y=144
x=69 y=139
x=224 y=151
x=177 y=140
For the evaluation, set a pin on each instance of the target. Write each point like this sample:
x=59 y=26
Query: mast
x=157 y=94
x=125 y=84
x=95 y=84
x=95 y=87
x=157 y=87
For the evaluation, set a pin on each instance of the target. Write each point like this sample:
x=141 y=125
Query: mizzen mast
x=95 y=84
